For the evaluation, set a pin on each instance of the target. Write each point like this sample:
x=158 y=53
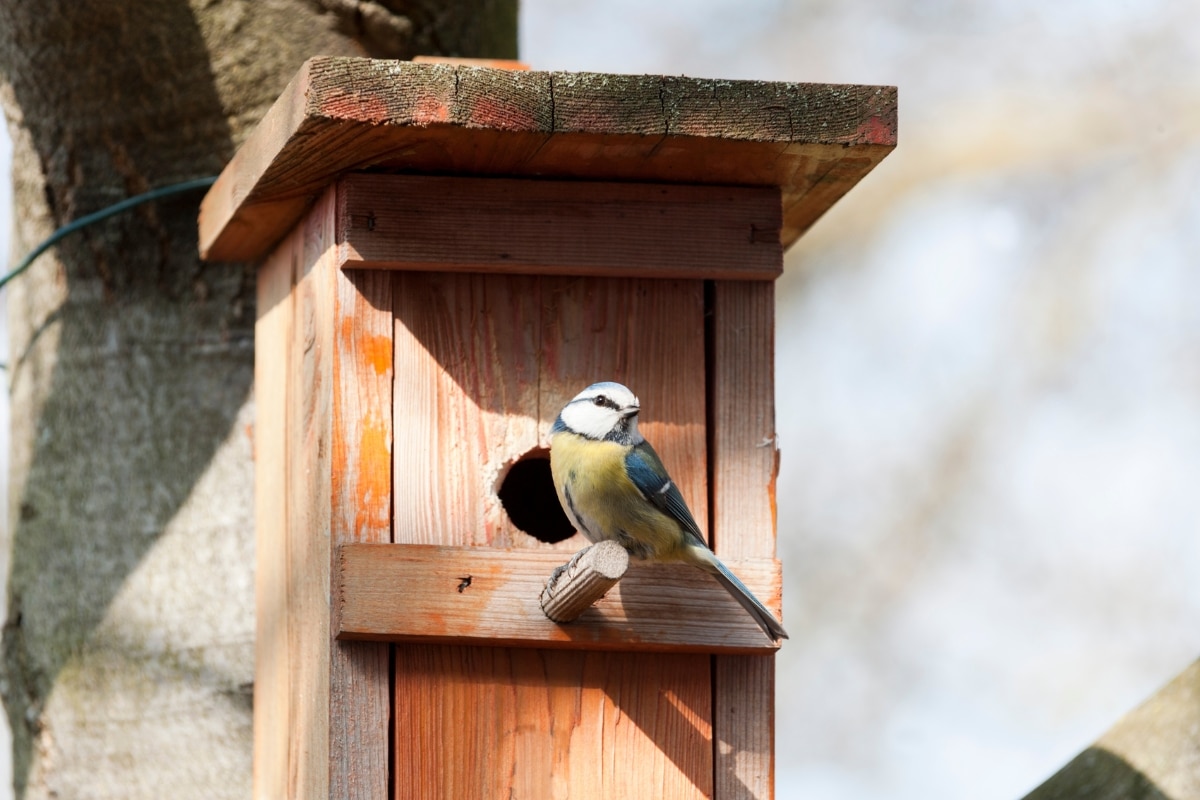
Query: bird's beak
x=630 y=411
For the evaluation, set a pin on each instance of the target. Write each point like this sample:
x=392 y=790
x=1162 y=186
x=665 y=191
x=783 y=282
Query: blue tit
x=612 y=485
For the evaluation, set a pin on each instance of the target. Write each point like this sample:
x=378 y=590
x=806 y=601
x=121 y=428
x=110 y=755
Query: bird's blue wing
x=649 y=475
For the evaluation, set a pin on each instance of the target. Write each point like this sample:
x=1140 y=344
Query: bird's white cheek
x=588 y=420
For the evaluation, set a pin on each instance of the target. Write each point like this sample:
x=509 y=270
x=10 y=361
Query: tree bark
x=1152 y=753
x=128 y=642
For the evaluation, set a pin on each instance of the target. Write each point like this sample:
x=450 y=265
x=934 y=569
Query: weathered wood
x=577 y=585
x=324 y=364
x=339 y=114
x=744 y=466
x=360 y=673
x=487 y=596
x=272 y=337
x=309 y=493
x=494 y=63
x=438 y=223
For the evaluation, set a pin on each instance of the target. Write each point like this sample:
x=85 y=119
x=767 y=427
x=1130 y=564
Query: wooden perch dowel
x=583 y=580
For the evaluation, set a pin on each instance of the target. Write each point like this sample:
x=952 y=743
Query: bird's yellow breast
x=593 y=485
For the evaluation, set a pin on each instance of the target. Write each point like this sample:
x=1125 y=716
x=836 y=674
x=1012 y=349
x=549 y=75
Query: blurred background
x=988 y=385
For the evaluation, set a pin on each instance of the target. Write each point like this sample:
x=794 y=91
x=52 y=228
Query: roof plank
x=813 y=141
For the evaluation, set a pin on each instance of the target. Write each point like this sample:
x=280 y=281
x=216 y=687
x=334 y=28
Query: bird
x=612 y=485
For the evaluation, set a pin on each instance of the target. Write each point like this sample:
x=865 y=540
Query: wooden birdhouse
x=448 y=254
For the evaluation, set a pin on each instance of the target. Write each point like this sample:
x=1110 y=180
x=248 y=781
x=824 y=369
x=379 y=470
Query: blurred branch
x=1153 y=753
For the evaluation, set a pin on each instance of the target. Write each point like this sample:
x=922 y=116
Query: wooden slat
x=272 y=342
x=527 y=723
x=744 y=448
x=483 y=363
x=466 y=397
x=309 y=420
x=360 y=673
x=744 y=466
x=439 y=223
x=412 y=593
x=343 y=114
x=648 y=335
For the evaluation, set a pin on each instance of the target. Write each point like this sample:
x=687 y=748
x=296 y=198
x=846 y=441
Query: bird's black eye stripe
x=604 y=401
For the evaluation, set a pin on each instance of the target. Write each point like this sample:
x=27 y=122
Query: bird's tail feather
x=765 y=619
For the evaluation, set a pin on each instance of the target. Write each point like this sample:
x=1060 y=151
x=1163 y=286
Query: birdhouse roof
x=813 y=141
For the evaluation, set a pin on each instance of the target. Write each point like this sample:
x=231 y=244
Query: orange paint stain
x=371 y=349
x=377 y=351
x=373 y=490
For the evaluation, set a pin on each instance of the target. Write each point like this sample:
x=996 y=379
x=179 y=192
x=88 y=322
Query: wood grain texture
x=813 y=141
x=744 y=448
x=529 y=723
x=648 y=335
x=323 y=363
x=272 y=341
x=422 y=593
x=360 y=673
x=465 y=403
x=419 y=222
x=744 y=725
x=309 y=420
x=579 y=584
x=745 y=461
x=483 y=365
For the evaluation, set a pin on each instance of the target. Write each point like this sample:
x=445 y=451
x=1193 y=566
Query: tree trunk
x=128 y=642
x=1152 y=753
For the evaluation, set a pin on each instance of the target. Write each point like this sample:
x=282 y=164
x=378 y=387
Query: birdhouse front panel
x=483 y=365
x=485 y=362
x=452 y=254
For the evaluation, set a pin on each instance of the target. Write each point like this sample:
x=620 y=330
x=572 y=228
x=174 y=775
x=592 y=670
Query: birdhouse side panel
x=272 y=343
x=305 y=317
x=323 y=361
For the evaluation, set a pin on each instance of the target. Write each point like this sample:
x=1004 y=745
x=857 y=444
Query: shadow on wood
x=588 y=696
x=1096 y=774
